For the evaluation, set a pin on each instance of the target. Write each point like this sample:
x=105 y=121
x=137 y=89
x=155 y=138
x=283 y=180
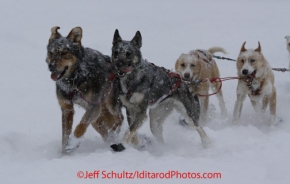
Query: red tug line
x=212 y=80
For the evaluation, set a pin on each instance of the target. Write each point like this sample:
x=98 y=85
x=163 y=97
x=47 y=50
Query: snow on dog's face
x=188 y=66
x=126 y=54
x=288 y=43
x=250 y=60
x=62 y=52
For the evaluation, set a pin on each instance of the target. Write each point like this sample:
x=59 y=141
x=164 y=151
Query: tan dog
x=257 y=82
x=199 y=64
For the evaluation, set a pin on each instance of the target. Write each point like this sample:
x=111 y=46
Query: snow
x=30 y=133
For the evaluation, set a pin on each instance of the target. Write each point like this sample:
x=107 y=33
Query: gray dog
x=144 y=85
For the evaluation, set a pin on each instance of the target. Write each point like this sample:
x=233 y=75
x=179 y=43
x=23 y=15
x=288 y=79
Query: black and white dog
x=144 y=85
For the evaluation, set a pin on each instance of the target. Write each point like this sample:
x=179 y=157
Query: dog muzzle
x=124 y=70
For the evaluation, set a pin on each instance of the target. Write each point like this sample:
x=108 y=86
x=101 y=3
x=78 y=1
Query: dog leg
x=189 y=106
x=115 y=121
x=222 y=105
x=204 y=139
x=265 y=103
x=135 y=121
x=100 y=127
x=108 y=124
x=203 y=109
x=89 y=117
x=273 y=120
x=157 y=116
x=115 y=130
x=238 y=108
x=67 y=120
x=257 y=105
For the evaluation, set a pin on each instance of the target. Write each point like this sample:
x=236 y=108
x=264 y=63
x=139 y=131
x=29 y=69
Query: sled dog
x=145 y=85
x=197 y=65
x=81 y=77
x=257 y=81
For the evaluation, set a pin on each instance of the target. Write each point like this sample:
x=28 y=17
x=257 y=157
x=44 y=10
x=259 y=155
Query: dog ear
x=54 y=34
x=76 y=35
x=243 y=49
x=259 y=48
x=137 y=40
x=117 y=38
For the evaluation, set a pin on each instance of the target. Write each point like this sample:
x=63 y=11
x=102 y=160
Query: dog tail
x=213 y=50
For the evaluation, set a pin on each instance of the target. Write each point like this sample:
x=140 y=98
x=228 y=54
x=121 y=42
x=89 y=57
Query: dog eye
x=192 y=65
x=183 y=65
x=128 y=54
x=242 y=61
x=252 y=60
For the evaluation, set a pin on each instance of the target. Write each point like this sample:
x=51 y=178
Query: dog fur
x=252 y=61
x=197 y=65
x=149 y=83
x=288 y=46
x=74 y=67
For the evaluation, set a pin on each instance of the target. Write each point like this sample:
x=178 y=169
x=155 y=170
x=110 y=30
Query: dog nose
x=119 y=64
x=186 y=75
x=245 y=72
x=52 y=67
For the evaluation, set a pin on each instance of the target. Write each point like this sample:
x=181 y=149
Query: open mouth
x=126 y=69
x=122 y=71
x=58 y=75
x=187 y=79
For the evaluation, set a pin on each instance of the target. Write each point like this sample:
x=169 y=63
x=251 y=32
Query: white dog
x=257 y=82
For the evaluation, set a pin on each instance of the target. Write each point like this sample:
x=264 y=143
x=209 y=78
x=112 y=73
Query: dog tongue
x=126 y=69
x=54 y=75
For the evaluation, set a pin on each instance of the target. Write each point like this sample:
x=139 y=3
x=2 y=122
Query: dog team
x=102 y=85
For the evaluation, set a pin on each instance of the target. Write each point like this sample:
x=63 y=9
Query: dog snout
x=245 y=72
x=119 y=64
x=122 y=63
x=186 y=75
x=52 y=67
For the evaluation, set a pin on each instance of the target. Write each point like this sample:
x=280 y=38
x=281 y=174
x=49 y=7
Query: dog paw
x=72 y=144
x=118 y=147
x=144 y=142
x=275 y=120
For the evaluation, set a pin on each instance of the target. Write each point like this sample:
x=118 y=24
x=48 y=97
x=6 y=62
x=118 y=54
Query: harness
x=169 y=73
x=201 y=54
x=175 y=86
x=76 y=91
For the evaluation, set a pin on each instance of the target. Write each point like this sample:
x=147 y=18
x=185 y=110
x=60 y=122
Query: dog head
x=288 y=43
x=249 y=61
x=188 y=66
x=126 y=55
x=62 y=52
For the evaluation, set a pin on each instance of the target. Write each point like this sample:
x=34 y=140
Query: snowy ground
x=30 y=134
